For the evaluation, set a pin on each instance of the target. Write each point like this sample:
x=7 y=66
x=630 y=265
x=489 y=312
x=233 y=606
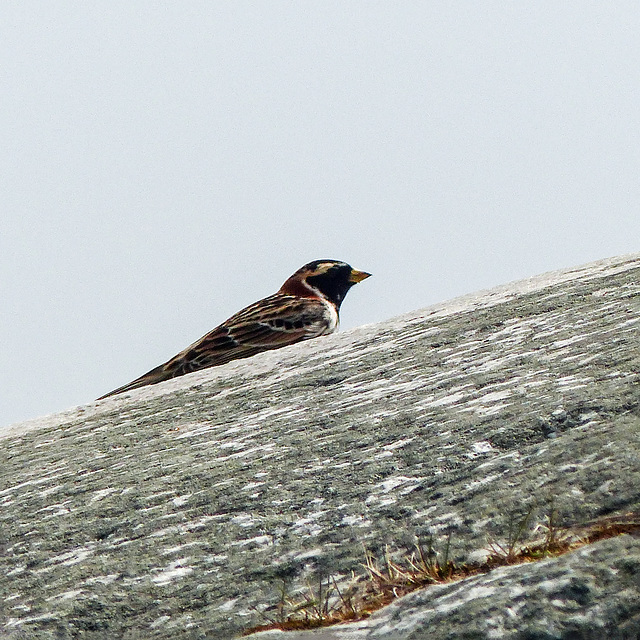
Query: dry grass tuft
x=327 y=602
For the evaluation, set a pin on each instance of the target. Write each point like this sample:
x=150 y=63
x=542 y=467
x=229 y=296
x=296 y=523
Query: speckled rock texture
x=178 y=510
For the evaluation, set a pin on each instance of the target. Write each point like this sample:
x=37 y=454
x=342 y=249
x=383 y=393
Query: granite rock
x=177 y=510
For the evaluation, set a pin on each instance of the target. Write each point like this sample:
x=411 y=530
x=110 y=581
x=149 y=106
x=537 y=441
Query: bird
x=306 y=306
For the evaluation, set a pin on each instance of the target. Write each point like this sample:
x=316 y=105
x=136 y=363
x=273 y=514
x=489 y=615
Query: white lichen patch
x=567 y=341
x=243 y=520
x=68 y=559
x=388 y=491
x=180 y=501
x=160 y=621
x=55 y=511
x=256 y=541
x=398 y=444
x=289 y=412
x=573 y=382
x=102 y=493
x=66 y=595
x=458 y=599
x=181 y=547
x=392 y=483
x=628 y=323
x=496 y=363
x=379 y=390
x=228 y=605
x=309 y=526
x=480 y=448
x=195 y=429
x=14 y=622
x=188 y=527
x=45 y=493
x=355 y=521
x=108 y=579
x=13 y=596
x=247 y=452
x=173 y=571
x=451 y=398
x=31 y=483
x=309 y=554
x=471 y=486
x=252 y=485
x=492 y=396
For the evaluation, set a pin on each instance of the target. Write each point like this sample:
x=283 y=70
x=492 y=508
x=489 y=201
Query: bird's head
x=328 y=279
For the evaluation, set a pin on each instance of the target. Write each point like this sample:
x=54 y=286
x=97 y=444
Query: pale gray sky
x=163 y=164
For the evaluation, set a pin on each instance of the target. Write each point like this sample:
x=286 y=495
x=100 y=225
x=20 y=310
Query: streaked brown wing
x=274 y=322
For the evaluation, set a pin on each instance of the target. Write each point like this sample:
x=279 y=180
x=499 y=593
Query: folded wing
x=276 y=321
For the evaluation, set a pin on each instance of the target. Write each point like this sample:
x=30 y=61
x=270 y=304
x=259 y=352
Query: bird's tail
x=159 y=374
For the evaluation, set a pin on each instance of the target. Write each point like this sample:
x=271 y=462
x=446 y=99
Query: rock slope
x=179 y=510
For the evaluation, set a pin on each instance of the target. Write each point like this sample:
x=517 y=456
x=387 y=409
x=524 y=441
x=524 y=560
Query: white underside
x=332 y=320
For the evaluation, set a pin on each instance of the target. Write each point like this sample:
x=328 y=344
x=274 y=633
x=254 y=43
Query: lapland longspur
x=306 y=306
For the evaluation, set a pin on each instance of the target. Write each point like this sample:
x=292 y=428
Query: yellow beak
x=358 y=276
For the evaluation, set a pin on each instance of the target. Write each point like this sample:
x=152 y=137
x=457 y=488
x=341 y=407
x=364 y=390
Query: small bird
x=306 y=306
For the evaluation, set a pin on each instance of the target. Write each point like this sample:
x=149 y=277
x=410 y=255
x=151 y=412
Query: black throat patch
x=333 y=284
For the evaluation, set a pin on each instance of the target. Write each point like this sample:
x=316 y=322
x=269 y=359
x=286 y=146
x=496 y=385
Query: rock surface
x=177 y=510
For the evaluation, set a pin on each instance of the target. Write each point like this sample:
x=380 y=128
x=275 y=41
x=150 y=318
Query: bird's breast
x=333 y=320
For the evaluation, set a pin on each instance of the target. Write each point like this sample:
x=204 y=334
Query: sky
x=164 y=164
